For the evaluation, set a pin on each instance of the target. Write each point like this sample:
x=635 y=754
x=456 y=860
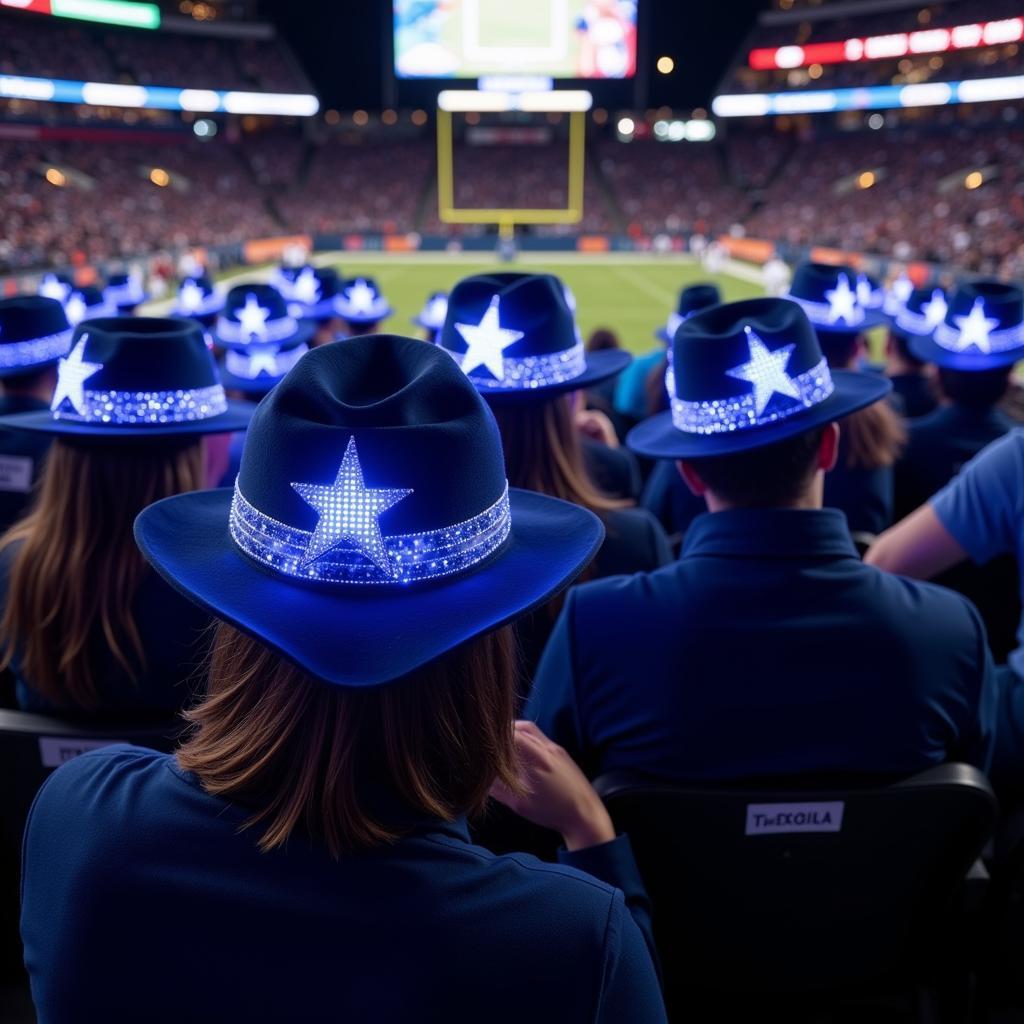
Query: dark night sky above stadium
x=341 y=43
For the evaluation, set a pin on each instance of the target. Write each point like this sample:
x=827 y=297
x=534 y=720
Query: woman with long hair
x=84 y=625
x=304 y=855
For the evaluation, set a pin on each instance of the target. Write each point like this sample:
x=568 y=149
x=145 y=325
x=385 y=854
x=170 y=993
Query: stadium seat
x=789 y=895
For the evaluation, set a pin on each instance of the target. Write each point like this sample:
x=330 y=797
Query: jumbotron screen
x=554 y=38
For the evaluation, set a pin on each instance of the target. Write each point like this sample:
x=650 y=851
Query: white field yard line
x=663 y=296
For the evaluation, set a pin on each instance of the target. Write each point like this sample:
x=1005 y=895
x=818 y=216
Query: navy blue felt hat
x=371 y=528
x=837 y=299
x=896 y=295
x=257 y=315
x=135 y=377
x=125 y=291
x=56 y=286
x=692 y=299
x=88 y=303
x=516 y=339
x=34 y=333
x=749 y=374
x=258 y=369
x=198 y=297
x=360 y=302
x=435 y=309
x=983 y=329
x=920 y=312
x=313 y=293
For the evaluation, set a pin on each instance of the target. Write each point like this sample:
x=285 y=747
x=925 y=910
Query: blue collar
x=770 y=533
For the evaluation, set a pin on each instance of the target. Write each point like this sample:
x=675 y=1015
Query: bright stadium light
x=109 y=12
x=974 y=180
x=287 y=104
x=56 y=177
x=626 y=126
x=26 y=88
x=666 y=65
x=107 y=94
x=202 y=101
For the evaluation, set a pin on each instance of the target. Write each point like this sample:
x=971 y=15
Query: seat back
x=774 y=890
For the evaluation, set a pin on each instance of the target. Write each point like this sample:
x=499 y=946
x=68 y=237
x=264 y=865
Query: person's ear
x=828 y=450
x=691 y=478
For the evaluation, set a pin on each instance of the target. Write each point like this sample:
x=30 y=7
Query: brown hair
x=329 y=761
x=602 y=339
x=654 y=388
x=543 y=453
x=76 y=570
x=874 y=436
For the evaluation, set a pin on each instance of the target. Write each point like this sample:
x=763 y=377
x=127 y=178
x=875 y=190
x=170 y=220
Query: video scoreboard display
x=555 y=38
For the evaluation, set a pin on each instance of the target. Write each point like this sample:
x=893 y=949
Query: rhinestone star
x=975 y=328
x=487 y=341
x=349 y=513
x=935 y=309
x=306 y=288
x=190 y=296
x=766 y=370
x=72 y=374
x=252 y=318
x=842 y=301
x=361 y=297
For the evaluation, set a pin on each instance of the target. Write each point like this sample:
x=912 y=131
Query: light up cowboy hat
x=896 y=295
x=34 y=334
x=919 y=313
x=257 y=316
x=136 y=377
x=692 y=299
x=371 y=528
x=515 y=338
x=255 y=369
x=435 y=309
x=314 y=293
x=360 y=302
x=88 y=303
x=749 y=374
x=983 y=329
x=56 y=286
x=198 y=297
x=837 y=300
x=125 y=291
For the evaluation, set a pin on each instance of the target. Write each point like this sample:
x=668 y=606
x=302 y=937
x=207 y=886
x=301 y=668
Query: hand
x=594 y=424
x=556 y=794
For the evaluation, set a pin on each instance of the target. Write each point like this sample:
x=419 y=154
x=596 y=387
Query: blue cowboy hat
x=360 y=302
x=896 y=296
x=435 y=309
x=257 y=315
x=371 y=528
x=692 y=299
x=983 y=329
x=56 y=286
x=136 y=377
x=833 y=297
x=516 y=339
x=313 y=293
x=260 y=368
x=198 y=297
x=920 y=312
x=88 y=303
x=283 y=278
x=749 y=374
x=125 y=292
x=34 y=333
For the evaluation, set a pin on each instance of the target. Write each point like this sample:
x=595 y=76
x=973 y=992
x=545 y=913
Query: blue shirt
x=767 y=649
x=631 y=390
x=144 y=900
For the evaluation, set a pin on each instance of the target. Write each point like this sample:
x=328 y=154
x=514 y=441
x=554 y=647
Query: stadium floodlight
x=201 y=101
x=109 y=94
x=288 y=104
x=483 y=101
x=18 y=88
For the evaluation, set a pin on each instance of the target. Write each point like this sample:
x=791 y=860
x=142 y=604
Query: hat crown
x=695 y=297
x=27 y=317
x=246 y=296
x=1001 y=302
x=835 y=297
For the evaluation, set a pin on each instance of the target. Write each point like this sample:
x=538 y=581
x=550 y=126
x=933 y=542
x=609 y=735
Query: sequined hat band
x=142 y=407
x=823 y=314
x=35 y=351
x=527 y=372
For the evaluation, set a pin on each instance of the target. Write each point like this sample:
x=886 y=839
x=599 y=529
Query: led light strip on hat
x=250 y=365
x=272 y=331
x=988 y=342
x=36 y=350
x=525 y=372
x=820 y=313
x=146 y=407
x=405 y=558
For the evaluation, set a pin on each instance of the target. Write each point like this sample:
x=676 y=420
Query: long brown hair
x=543 y=453
x=329 y=762
x=76 y=569
x=874 y=437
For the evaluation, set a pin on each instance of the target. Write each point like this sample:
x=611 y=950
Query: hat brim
x=249 y=385
x=236 y=418
x=304 y=331
x=359 y=319
x=352 y=635
x=928 y=350
x=600 y=366
x=872 y=318
x=658 y=438
x=23 y=371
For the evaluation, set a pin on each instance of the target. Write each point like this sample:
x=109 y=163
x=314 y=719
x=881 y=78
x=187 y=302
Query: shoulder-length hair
x=76 y=570
x=874 y=437
x=344 y=766
x=543 y=453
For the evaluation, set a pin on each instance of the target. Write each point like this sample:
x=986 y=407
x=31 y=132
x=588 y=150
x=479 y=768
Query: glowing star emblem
x=901 y=289
x=252 y=318
x=864 y=291
x=975 y=328
x=72 y=374
x=361 y=297
x=51 y=288
x=487 y=342
x=306 y=288
x=935 y=310
x=190 y=296
x=436 y=310
x=766 y=370
x=263 y=361
x=76 y=309
x=349 y=513
x=842 y=301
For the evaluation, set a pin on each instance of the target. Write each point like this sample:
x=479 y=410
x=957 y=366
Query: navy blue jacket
x=22 y=453
x=938 y=445
x=912 y=395
x=767 y=649
x=614 y=470
x=145 y=900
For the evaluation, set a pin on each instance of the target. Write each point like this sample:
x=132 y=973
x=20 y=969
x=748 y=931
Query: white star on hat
x=52 y=288
x=263 y=359
x=864 y=290
x=842 y=301
x=487 y=341
x=349 y=513
x=435 y=310
x=901 y=288
x=306 y=288
x=361 y=297
x=75 y=309
x=72 y=373
x=766 y=370
x=252 y=318
x=190 y=296
x=935 y=309
x=975 y=328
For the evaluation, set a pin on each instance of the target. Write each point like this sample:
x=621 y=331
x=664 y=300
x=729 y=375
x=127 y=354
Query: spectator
x=910 y=381
x=361 y=307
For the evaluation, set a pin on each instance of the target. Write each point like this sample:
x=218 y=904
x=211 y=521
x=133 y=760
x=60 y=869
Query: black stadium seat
x=796 y=893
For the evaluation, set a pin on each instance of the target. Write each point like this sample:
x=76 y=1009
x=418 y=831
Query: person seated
x=361 y=307
x=515 y=337
x=768 y=649
x=310 y=833
x=601 y=396
x=34 y=335
x=913 y=392
x=975 y=347
x=84 y=626
x=430 y=319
